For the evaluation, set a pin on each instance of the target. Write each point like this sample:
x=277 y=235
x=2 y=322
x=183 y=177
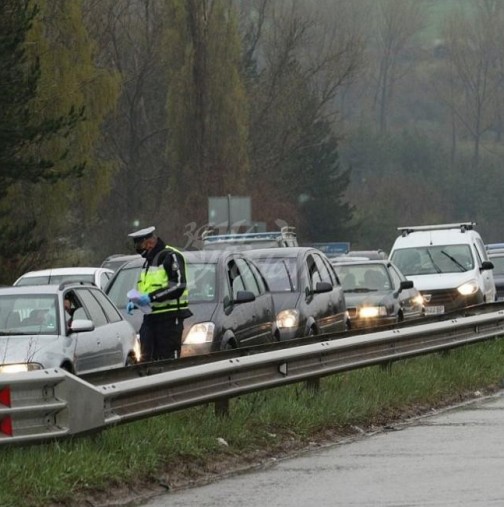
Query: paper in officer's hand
x=133 y=295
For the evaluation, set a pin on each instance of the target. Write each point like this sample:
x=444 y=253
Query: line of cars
x=249 y=292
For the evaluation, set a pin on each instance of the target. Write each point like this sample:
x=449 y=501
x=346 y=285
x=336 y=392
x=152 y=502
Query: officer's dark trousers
x=160 y=337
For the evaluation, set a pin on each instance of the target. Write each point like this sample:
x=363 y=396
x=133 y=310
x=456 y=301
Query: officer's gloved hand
x=130 y=307
x=143 y=300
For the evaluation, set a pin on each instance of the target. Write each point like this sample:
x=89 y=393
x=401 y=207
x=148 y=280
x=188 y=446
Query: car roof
x=288 y=251
x=32 y=289
x=193 y=256
x=64 y=271
x=362 y=262
x=495 y=252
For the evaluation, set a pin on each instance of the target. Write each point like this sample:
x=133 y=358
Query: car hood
x=441 y=280
x=23 y=349
x=285 y=300
x=374 y=298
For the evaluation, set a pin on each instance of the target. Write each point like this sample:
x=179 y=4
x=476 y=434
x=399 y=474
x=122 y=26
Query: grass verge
x=190 y=445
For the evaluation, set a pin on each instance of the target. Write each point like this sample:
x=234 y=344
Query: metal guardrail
x=52 y=404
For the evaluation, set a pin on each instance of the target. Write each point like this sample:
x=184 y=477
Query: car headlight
x=137 y=349
x=20 y=367
x=287 y=319
x=468 y=288
x=200 y=333
x=369 y=312
x=418 y=300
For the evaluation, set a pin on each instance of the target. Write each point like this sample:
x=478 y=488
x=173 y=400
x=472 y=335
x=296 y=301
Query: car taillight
x=5 y=396
x=6 y=426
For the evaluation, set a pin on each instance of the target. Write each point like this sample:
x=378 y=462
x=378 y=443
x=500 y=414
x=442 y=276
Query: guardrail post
x=313 y=384
x=222 y=407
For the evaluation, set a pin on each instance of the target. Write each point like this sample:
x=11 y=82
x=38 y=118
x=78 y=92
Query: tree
x=325 y=215
x=19 y=128
x=206 y=106
x=24 y=133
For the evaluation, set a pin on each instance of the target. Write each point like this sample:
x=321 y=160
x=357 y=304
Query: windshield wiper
x=455 y=261
x=436 y=267
x=288 y=276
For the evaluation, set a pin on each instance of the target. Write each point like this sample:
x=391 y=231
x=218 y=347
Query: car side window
x=94 y=310
x=322 y=269
x=248 y=277
x=261 y=282
x=111 y=312
x=234 y=278
x=396 y=278
x=481 y=251
x=313 y=272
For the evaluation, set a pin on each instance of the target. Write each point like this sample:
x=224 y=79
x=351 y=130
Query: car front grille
x=451 y=299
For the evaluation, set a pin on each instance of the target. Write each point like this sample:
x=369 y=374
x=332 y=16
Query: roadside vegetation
x=182 y=448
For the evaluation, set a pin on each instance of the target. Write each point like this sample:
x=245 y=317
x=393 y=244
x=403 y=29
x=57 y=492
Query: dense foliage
x=344 y=118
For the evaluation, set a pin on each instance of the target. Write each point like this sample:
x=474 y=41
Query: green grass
x=187 y=441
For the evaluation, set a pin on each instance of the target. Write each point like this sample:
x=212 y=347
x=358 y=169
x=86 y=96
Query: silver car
x=70 y=326
x=98 y=276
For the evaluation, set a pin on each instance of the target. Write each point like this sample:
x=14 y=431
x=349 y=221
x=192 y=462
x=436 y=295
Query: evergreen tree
x=19 y=77
x=324 y=214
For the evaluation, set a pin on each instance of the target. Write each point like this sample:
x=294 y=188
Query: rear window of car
x=280 y=273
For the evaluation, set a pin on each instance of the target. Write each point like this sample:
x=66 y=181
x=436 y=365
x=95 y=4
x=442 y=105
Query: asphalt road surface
x=454 y=458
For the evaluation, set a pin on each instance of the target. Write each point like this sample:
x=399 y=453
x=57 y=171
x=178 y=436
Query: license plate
x=434 y=310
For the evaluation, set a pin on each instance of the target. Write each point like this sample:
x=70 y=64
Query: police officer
x=162 y=288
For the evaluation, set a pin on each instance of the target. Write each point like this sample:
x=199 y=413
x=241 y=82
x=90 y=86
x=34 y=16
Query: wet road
x=455 y=458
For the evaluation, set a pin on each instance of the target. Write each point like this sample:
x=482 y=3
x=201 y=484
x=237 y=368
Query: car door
x=486 y=274
x=262 y=329
x=100 y=348
x=330 y=304
x=406 y=299
x=239 y=317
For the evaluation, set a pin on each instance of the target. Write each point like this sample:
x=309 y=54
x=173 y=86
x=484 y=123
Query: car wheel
x=130 y=361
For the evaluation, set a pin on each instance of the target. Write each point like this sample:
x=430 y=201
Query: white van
x=448 y=264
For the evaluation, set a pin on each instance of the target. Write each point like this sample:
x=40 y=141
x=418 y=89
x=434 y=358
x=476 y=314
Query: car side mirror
x=244 y=296
x=486 y=265
x=321 y=287
x=81 y=326
x=406 y=284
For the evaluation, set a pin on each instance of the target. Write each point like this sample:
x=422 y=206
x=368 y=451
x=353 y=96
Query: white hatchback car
x=55 y=276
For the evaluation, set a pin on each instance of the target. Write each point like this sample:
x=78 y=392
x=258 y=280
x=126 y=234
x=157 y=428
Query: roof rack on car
x=284 y=234
x=464 y=226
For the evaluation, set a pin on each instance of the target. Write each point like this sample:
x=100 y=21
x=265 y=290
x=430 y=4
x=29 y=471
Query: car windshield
x=53 y=279
x=433 y=259
x=280 y=273
x=32 y=314
x=124 y=280
x=201 y=280
x=363 y=277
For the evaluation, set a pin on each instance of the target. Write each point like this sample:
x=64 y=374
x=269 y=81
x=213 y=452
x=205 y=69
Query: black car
x=228 y=297
x=377 y=293
x=496 y=256
x=308 y=296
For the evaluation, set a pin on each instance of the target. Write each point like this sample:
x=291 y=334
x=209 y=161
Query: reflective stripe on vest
x=155 y=278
